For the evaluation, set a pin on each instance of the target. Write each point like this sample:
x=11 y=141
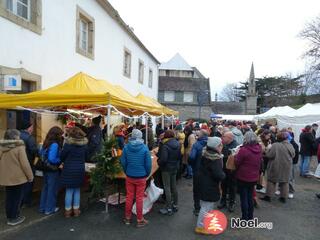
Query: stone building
x=184 y=88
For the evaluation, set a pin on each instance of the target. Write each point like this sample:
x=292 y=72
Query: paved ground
x=298 y=219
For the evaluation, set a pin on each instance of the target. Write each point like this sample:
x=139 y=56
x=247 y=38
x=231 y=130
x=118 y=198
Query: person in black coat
x=168 y=161
x=210 y=176
x=228 y=185
x=306 y=150
x=95 y=138
x=32 y=152
x=73 y=156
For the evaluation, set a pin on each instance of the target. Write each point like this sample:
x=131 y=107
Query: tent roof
x=81 y=89
x=274 y=111
x=156 y=105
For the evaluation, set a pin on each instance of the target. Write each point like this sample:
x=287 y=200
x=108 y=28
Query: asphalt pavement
x=299 y=219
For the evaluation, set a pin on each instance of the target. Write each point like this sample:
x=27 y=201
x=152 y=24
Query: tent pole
x=172 y=120
x=147 y=130
x=108 y=121
x=162 y=121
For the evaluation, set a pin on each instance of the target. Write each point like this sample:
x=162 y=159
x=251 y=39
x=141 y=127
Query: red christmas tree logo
x=215 y=222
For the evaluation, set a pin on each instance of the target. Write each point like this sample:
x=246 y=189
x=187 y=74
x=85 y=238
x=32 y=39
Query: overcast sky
x=222 y=37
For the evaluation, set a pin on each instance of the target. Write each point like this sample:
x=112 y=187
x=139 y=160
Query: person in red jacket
x=248 y=164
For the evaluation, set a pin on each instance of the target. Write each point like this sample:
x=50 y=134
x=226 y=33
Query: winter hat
x=214 y=142
x=26 y=125
x=136 y=133
x=179 y=127
x=97 y=120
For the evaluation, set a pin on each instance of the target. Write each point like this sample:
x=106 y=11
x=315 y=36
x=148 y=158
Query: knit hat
x=136 y=133
x=214 y=142
x=179 y=127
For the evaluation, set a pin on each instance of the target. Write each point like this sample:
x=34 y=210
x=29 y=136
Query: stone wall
x=230 y=108
x=192 y=111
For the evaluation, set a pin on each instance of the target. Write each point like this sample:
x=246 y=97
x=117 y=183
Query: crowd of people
x=222 y=158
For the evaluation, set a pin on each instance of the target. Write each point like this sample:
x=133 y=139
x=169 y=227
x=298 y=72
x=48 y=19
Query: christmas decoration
x=107 y=167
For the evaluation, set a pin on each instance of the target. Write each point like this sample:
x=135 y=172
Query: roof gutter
x=115 y=15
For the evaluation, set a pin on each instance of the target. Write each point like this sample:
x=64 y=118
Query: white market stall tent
x=275 y=111
x=297 y=120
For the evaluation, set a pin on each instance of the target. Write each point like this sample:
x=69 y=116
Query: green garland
x=107 y=167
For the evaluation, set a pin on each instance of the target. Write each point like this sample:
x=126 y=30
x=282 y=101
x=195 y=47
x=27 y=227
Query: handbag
x=43 y=164
x=230 y=163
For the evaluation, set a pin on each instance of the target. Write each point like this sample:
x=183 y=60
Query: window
x=127 y=63
x=150 y=78
x=25 y=13
x=85 y=34
x=188 y=97
x=84 y=29
x=141 y=71
x=20 y=8
x=169 y=96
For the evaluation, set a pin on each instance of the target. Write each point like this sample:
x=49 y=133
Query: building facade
x=45 y=42
x=184 y=88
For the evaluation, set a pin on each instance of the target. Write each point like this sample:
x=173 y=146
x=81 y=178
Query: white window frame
x=141 y=72
x=169 y=96
x=186 y=96
x=127 y=63
x=14 y=10
x=150 y=80
x=81 y=32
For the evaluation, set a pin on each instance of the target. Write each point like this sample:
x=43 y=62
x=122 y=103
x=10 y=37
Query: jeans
x=291 y=179
x=170 y=187
x=205 y=208
x=14 y=195
x=72 y=199
x=196 y=192
x=48 y=200
x=228 y=186
x=135 y=189
x=304 y=165
x=246 y=199
x=189 y=170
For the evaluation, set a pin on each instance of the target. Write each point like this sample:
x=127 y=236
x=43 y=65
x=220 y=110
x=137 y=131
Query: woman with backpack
x=50 y=152
x=73 y=156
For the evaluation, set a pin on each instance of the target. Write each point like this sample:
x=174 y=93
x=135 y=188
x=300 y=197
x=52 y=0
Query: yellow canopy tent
x=157 y=105
x=81 y=89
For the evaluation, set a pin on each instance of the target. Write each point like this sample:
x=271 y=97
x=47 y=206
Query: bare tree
x=229 y=93
x=311 y=33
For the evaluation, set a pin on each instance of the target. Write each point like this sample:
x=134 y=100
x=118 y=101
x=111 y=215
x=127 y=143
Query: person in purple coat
x=248 y=164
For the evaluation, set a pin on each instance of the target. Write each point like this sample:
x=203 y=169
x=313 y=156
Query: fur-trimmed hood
x=7 y=145
x=76 y=141
x=212 y=155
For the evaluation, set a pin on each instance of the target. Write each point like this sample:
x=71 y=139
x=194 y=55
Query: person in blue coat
x=136 y=163
x=51 y=151
x=73 y=157
x=195 y=160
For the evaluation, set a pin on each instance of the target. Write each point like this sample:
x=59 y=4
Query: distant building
x=251 y=95
x=184 y=88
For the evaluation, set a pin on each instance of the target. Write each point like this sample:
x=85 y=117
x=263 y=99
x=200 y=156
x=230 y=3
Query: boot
x=67 y=213
x=282 y=199
x=231 y=206
x=222 y=203
x=266 y=198
x=76 y=212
